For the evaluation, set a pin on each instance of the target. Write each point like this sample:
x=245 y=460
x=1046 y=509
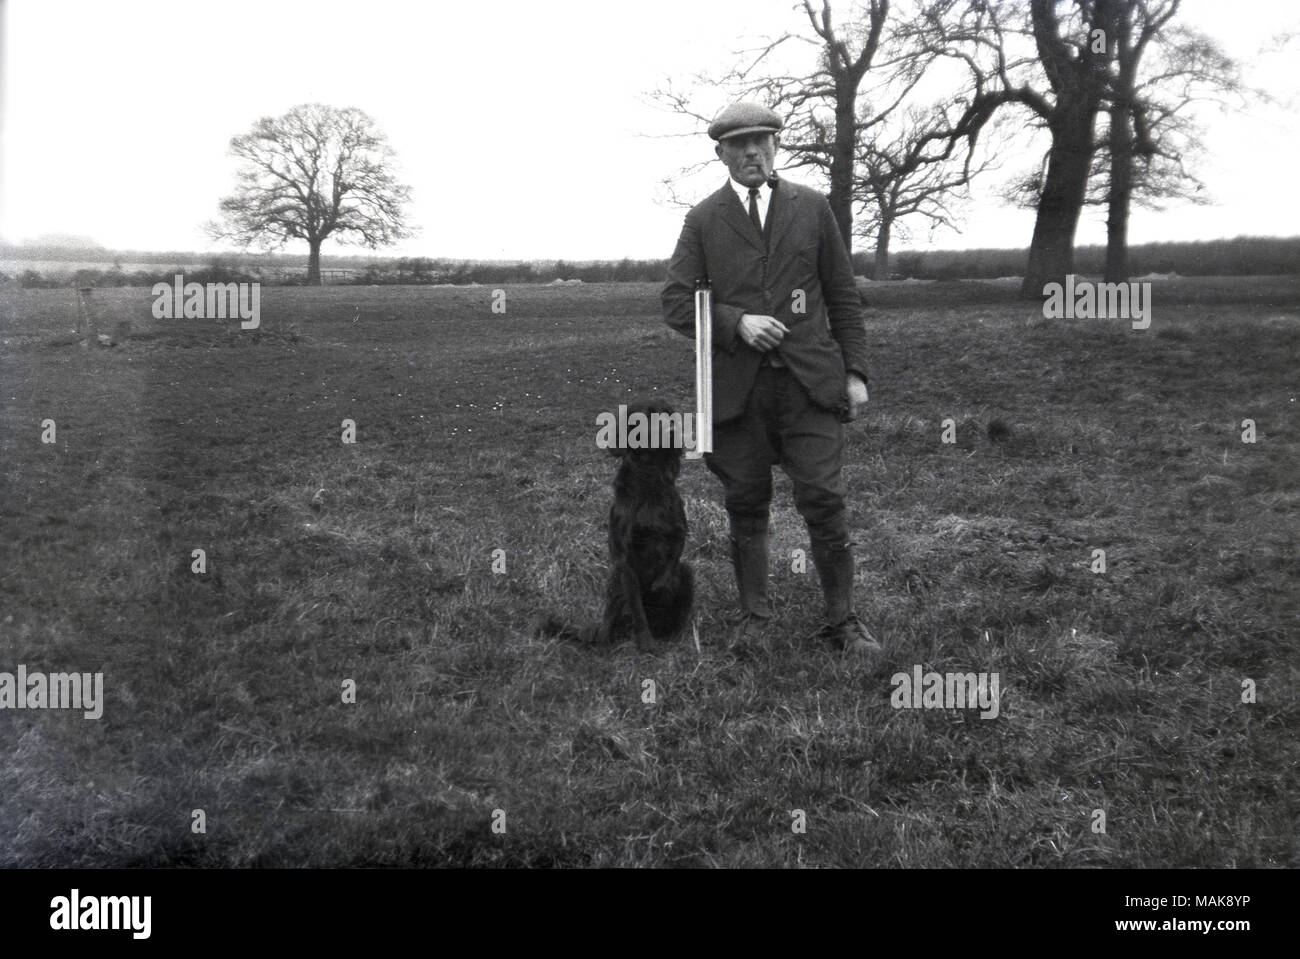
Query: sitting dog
x=651 y=589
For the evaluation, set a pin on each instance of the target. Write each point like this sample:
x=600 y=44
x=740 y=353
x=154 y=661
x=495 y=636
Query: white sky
x=523 y=128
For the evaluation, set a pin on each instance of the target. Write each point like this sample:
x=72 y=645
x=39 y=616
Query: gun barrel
x=703 y=370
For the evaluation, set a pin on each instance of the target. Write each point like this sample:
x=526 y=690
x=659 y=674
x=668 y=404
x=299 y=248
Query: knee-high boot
x=749 y=559
x=835 y=567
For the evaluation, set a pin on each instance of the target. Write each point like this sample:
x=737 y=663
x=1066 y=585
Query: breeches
x=782 y=426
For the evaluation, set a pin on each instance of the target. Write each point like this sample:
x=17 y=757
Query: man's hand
x=763 y=333
x=857 y=396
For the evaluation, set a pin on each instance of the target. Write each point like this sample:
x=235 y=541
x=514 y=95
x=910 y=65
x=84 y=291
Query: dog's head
x=654 y=438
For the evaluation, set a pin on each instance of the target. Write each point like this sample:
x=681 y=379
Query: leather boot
x=834 y=562
x=749 y=542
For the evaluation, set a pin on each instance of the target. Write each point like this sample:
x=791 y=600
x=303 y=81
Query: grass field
x=1122 y=691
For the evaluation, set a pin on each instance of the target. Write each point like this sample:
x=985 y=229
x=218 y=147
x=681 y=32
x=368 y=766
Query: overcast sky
x=524 y=128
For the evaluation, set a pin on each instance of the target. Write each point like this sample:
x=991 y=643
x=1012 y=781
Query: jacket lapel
x=780 y=211
x=735 y=216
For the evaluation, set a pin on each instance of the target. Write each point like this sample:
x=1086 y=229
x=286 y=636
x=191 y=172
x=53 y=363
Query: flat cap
x=741 y=118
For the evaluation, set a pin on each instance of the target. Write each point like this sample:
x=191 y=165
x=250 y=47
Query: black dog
x=651 y=589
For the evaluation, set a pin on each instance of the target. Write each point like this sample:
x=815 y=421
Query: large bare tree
x=315 y=172
x=836 y=83
x=1060 y=75
x=1146 y=153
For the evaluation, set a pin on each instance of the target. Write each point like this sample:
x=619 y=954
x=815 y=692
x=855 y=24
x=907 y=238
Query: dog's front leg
x=668 y=573
x=632 y=596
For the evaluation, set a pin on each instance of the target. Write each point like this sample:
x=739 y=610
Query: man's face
x=750 y=157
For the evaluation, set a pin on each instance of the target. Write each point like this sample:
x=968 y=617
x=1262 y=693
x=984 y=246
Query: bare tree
x=1147 y=151
x=837 y=81
x=1148 y=118
x=912 y=174
x=1062 y=81
x=315 y=172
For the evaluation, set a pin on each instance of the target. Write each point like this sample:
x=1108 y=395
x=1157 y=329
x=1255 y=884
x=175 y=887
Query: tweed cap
x=741 y=118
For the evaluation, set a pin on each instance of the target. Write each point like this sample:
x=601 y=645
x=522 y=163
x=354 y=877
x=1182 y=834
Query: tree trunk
x=841 y=198
x=1079 y=78
x=1121 y=191
x=1051 y=252
x=1121 y=152
x=881 y=270
x=313 y=263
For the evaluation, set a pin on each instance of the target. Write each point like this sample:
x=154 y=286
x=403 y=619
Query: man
x=789 y=362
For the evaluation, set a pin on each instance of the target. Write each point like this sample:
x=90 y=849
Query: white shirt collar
x=742 y=191
x=764 y=197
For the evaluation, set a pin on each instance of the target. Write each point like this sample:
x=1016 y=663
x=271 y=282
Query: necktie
x=753 y=210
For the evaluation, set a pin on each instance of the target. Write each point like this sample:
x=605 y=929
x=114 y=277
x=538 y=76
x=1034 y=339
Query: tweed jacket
x=802 y=263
